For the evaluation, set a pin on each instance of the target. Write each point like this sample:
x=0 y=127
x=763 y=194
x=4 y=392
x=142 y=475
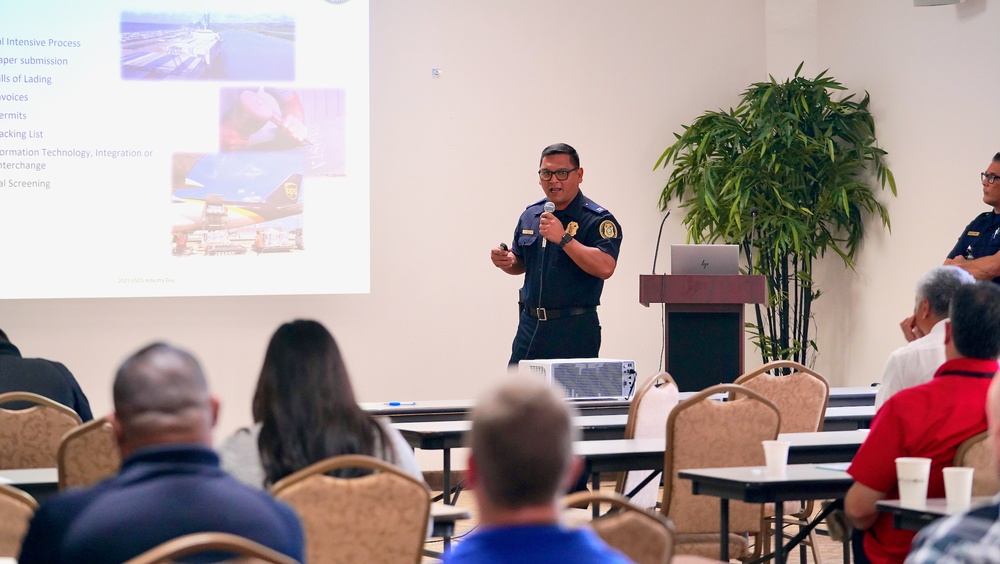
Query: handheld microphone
x=656 y=252
x=549 y=207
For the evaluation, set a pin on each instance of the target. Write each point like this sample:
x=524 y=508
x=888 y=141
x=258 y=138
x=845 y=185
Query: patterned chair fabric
x=29 y=438
x=801 y=396
x=377 y=518
x=247 y=550
x=705 y=433
x=642 y=536
x=647 y=419
x=978 y=452
x=88 y=454
x=16 y=509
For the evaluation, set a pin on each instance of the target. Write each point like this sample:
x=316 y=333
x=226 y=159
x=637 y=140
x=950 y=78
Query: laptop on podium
x=704 y=259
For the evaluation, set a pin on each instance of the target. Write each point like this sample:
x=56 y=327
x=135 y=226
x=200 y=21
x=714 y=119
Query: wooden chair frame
x=194 y=543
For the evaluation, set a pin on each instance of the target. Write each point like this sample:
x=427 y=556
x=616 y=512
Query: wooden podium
x=704 y=333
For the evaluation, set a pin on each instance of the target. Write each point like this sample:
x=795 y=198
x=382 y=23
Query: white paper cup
x=776 y=457
x=958 y=486
x=911 y=476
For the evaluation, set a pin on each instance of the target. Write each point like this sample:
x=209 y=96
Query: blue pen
x=398 y=403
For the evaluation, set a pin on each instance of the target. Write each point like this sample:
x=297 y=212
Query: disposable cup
x=776 y=457
x=958 y=486
x=911 y=476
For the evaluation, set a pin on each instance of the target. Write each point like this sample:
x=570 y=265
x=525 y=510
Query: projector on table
x=591 y=378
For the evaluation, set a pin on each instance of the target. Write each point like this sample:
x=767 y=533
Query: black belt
x=544 y=314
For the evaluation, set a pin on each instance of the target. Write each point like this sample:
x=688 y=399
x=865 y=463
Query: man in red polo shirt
x=929 y=420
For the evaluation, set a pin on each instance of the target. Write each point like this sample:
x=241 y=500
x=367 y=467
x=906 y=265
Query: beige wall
x=453 y=161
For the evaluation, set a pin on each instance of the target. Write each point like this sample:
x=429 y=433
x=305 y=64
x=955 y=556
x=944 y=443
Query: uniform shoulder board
x=591 y=205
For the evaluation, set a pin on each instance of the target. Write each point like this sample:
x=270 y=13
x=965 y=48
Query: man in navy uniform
x=566 y=254
x=978 y=248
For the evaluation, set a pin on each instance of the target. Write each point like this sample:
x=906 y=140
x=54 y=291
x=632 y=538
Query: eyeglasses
x=989 y=177
x=559 y=174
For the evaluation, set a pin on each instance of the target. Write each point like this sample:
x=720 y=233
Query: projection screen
x=184 y=148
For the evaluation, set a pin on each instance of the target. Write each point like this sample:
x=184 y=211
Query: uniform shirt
x=160 y=493
x=43 y=377
x=929 y=420
x=561 y=282
x=982 y=236
x=534 y=544
x=973 y=536
x=912 y=364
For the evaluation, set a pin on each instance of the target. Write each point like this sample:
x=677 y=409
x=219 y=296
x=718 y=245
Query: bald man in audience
x=917 y=361
x=929 y=420
x=972 y=536
x=170 y=483
x=521 y=461
x=39 y=376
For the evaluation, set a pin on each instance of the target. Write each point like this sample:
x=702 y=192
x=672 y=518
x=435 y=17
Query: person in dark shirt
x=978 y=248
x=170 y=483
x=565 y=255
x=39 y=376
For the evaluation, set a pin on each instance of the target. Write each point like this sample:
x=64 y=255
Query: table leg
x=779 y=534
x=446 y=478
x=724 y=529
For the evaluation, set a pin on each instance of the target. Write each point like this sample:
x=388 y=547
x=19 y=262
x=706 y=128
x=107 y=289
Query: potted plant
x=788 y=175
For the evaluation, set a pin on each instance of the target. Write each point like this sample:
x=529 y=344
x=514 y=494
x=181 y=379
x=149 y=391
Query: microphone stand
x=658 y=236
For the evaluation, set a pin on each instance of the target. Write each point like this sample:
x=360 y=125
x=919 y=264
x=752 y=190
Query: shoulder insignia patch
x=608 y=229
x=572 y=228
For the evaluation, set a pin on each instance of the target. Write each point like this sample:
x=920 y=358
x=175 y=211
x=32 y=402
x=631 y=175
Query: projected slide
x=183 y=148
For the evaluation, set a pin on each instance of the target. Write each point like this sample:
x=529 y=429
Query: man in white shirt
x=916 y=362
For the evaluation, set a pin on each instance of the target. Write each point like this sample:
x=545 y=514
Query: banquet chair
x=706 y=433
x=978 y=452
x=29 y=438
x=377 y=518
x=16 y=509
x=644 y=537
x=801 y=396
x=87 y=454
x=647 y=419
x=242 y=549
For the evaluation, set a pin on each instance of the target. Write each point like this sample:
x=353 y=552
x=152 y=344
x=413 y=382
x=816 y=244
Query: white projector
x=585 y=377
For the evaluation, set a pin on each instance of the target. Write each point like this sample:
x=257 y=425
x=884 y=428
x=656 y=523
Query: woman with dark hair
x=304 y=411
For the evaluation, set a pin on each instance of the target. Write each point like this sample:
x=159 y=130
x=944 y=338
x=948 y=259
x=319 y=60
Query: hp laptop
x=704 y=259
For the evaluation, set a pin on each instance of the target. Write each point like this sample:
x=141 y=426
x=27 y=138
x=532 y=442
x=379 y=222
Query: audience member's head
x=974 y=322
x=3 y=337
x=521 y=449
x=936 y=288
x=161 y=397
x=306 y=406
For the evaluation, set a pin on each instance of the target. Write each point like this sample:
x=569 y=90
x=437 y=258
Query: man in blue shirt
x=170 y=483
x=521 y=460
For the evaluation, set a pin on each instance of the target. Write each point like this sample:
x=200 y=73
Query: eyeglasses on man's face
x=559 y=174
x=989 y=177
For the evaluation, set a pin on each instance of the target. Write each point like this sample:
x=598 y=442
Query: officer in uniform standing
x=978 y=248
x=566 y=254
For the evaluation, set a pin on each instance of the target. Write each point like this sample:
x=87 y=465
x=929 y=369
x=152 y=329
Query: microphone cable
x=549 y=207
